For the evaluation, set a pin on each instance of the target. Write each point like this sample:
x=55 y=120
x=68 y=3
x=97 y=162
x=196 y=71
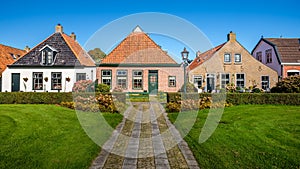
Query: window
x=198 y=81
x=122 y=79
x=237 y=58
x=37 y=81
x=227 y=58
x=269 y=56
x=137 y=76
x=265 y=82
x=259 y=56
x=56 y=81
x=13 y=56
x=172 y=81
x=106 y=77
x=80 y=76
x=224 y=80
x=48 y=56
x=240 y=80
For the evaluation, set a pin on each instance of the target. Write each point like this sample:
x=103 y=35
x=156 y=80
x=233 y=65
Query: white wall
x=262 y=47
x=28 y=72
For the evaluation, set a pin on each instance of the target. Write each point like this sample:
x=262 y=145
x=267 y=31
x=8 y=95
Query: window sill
x=227 y=63
x=237 y=63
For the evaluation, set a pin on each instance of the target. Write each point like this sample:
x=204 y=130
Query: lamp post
x=184 y=55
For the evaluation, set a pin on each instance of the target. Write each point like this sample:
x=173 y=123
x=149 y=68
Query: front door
x=153 y=82
x=210 y=86
x=15 y=83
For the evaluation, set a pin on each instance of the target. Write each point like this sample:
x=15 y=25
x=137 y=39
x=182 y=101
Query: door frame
x=208 y=76
x=152 y=72
x=13 y=82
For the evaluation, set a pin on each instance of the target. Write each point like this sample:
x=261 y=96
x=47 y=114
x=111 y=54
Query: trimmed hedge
x=34 y=98
x=247 y=98
x=46 y=97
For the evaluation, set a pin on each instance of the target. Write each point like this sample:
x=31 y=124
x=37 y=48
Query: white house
x=54 y=65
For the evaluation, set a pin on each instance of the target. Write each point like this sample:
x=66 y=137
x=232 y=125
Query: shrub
x=290 y=84
x=81 y=86
x=102 y=88
x=190 y=88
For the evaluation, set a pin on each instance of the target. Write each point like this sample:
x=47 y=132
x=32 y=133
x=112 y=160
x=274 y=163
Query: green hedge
x=247 y=98
x=46 y=97
x=34 y=98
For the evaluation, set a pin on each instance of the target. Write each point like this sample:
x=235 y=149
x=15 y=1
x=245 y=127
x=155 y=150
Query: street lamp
x=184 y=55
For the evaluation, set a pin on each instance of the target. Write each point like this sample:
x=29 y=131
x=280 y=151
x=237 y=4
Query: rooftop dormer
x=48 y=54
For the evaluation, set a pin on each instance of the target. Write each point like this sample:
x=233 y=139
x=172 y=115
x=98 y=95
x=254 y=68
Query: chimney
x=58 y=28
x=231 y=36
x=73 y=36
x=27 y=48
x=198 y=53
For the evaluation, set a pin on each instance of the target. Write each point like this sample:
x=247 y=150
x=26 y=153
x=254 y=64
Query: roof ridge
x=12 y=47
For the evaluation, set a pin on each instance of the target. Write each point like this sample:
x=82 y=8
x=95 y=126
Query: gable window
x=259 y=56
x=48 y=55
x=269 y=56
x=172 y=81
x=37 y=81
x=240 y=80
x=224 y=80
x=137 y=77
x=265 y=82
x=80 y=76
x=227 y=58
x=237 y=58
x=122 y=79
x=106 y=77
x=198 y=81
x=56 y=81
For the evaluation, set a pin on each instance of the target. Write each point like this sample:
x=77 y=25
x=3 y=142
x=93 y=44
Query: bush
x=82 y=85
x=290 y=84
x=190 y=88
x=102 y=88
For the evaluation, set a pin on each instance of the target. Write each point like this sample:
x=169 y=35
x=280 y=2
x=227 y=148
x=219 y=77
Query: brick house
x=229 y=63
x=138 y=64
x=53 y=65
x=280 y=54
x=8 y=55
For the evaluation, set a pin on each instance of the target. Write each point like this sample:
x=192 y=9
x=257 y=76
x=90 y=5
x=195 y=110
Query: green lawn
x=45 y=136
x=248 y=136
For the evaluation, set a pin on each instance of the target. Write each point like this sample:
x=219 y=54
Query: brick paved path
x=145 y=139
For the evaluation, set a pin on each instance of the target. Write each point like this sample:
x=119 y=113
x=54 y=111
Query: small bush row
x=244 y=98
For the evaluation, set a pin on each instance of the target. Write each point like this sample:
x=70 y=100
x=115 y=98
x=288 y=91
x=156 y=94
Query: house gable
x=66 y=53
x=138 y=48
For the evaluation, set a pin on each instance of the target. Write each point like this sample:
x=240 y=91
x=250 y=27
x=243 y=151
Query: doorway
x=153 y=82
x=15 y=83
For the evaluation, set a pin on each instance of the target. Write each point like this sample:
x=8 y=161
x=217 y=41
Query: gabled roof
x=9 y=55
x=287 y=49
x=204 y=57
x=69 y=53
x=138 y=48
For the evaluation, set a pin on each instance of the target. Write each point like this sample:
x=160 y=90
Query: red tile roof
x=83 y=57
x=7 y=55
x=138 y=48
x=204 y=57
x=288 y=49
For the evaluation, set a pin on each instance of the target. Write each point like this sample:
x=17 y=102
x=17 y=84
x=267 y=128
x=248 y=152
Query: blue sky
x=29 y=22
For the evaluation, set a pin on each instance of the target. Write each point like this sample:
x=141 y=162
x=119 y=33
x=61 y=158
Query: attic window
x=13 y=56
x=48 y=55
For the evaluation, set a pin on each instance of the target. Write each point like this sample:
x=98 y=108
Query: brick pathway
x=145 y=139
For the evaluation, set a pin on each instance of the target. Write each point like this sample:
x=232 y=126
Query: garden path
x=145 y=139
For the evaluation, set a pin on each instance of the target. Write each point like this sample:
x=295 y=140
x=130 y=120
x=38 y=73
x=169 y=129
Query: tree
x=290 y=84
x=97 y=54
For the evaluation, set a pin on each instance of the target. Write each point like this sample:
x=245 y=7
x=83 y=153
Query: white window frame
x=236 y=79
x=139 y=78
x=170 y=79
x=264 y=81
x=122 y=75
x=40 y=81
x=235 y=58
x=106 y=77
x=198 y=77
x=222 y=80
x=225 y=61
